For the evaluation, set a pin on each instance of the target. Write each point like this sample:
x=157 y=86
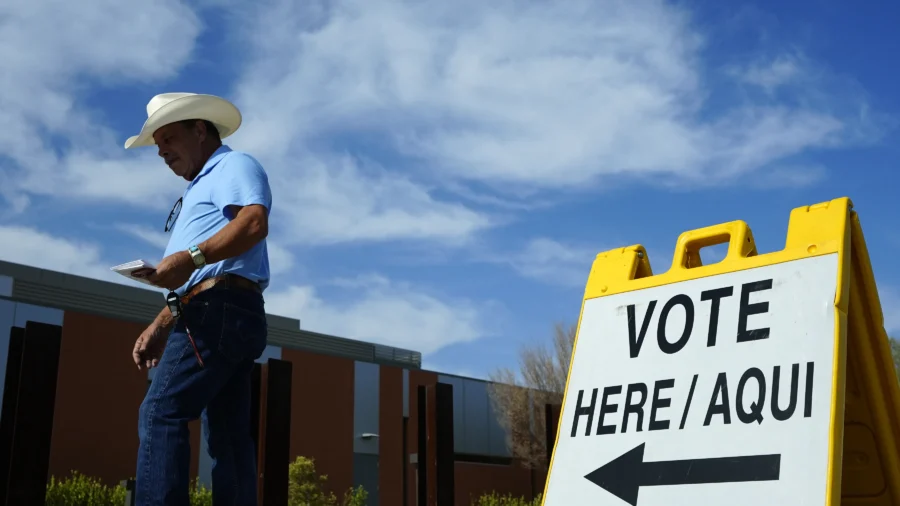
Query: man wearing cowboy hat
x=204 y=342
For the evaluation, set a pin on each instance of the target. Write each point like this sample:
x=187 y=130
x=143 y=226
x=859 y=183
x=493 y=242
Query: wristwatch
x=197 y=256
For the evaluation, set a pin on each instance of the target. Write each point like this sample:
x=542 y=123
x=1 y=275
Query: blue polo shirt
x=228 y=178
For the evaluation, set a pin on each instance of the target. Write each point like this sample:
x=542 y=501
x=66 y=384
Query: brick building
x=353 y=403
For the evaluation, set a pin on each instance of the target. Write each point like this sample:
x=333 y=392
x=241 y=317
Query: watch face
x=197 y=256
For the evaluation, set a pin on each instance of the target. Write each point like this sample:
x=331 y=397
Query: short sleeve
x=241 y=181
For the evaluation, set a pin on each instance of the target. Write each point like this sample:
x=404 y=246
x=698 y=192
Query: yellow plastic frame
x=820 y=229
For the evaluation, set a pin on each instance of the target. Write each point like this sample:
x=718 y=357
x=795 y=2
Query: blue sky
x=444 y=172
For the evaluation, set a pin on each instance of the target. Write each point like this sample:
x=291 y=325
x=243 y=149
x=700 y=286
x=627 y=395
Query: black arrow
x=624 y=475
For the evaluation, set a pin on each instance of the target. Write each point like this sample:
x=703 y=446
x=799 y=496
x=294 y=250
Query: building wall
x=98 y=393
x=475 y=427
x=392 y=461
x=322 y=415
x=334 y=402
x=477 y=434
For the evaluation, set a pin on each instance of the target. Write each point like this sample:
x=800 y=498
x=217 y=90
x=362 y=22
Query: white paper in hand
x=136 y=270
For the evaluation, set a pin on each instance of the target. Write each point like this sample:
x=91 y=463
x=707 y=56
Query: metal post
x=255 y=388
x=129 y=492
x=30 y=455
x=276 y=433
x=422 y=455
x=405 y=475
x=446 y=455
x=552 y=412
x=261 y=434
x=10 y=401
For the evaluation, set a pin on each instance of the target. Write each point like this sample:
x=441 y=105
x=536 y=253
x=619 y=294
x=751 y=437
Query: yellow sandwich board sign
x=763 y=379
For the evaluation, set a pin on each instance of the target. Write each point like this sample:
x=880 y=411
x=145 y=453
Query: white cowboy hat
x=169 y=108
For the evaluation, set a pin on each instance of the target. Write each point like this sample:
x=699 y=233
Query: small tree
x=519 y=398
x=306 y=487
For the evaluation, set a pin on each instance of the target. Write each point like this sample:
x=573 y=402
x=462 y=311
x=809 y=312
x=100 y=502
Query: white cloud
x=281 y=260
x=85 y=42
x=441 y=97
x=61 y=148
x=104 y=175
x=551 y=261
x=155 y=238
x=544 y=94
x=781 y=176
x=770 y=74
x=379 y=310
x=28 y=246
x=58 y=146
x=333 y=199
x=569 y=264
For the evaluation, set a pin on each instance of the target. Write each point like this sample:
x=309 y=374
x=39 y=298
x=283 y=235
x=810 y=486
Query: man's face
x=180 y=146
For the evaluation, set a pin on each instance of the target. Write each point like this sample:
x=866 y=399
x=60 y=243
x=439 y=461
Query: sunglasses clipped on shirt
x=173 y=215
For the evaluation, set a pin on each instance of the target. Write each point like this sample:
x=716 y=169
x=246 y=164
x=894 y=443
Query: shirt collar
x=212 y=162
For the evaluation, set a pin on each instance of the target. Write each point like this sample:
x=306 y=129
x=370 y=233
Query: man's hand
x=173 y=271
x=149 y=347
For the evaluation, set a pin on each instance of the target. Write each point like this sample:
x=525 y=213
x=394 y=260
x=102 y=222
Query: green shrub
x=495 y=499
x=200 y=495
x=81 y=490
x=306 y=487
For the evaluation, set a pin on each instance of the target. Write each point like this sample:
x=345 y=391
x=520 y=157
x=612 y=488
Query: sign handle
x=736 y=233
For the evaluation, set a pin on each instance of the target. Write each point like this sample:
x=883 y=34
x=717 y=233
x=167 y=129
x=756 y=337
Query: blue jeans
x=230 y=332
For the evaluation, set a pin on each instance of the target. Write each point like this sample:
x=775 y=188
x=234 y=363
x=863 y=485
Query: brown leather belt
x=225 y=280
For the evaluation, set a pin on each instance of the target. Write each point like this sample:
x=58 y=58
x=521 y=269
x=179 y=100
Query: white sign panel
x=711 y=391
